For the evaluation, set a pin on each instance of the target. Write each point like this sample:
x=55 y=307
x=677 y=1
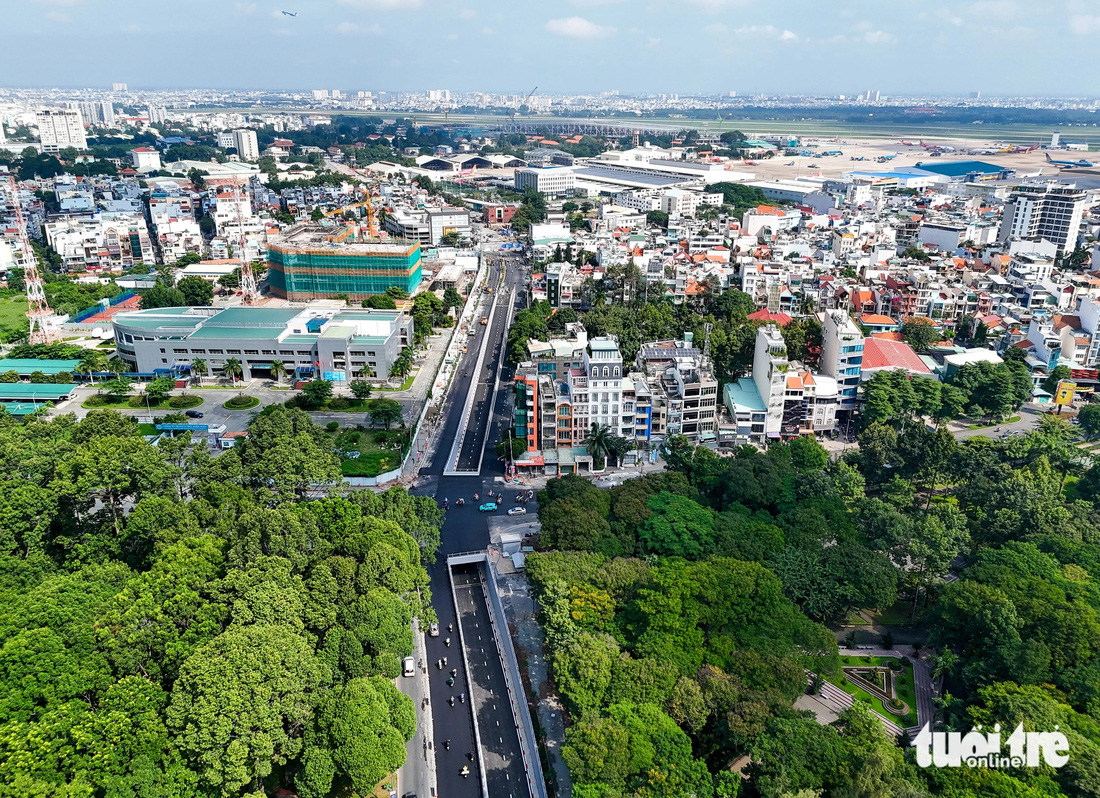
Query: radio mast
x=250 y=294
x=38 y=309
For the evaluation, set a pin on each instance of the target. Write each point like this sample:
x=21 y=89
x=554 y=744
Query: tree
x=198 y=368
x=196 y=291
x=380 y=302
x=316 y=215
x=919 y=334
x=242 y=703
x=359 y=737
x=278 y=370
x=117 y=387
x=162 y=296
x=1089 y=419
x=657 y=218
x=159 y=388
x=360 y=389
x=598 y=443
x=384 y=411
x=1057 y=374
x=315 y=393
x=233 y=369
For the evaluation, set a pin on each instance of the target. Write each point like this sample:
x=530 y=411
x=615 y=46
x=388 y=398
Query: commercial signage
x=1064 y=395
x=334 y=376
x=182 y=427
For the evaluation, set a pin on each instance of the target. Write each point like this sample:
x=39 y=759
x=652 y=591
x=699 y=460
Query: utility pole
x=38 y=309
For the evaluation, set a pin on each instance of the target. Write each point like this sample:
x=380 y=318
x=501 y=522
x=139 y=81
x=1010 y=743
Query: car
x=193 y=414
x=433 y=630
x=488 y=507
x=409 y=666
x=518 y=511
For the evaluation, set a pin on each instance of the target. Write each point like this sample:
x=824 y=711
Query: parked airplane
x=1069 y=164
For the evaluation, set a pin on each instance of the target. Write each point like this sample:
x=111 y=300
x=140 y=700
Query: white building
x=146 y=159
x=157 y=114
x=1044 y=212
x=603 y=364
x=59 y=128
x=551 y=181
x=768 y=221
x=243 y=141
x=677 y=202
x=101 y=113
x=842 y=355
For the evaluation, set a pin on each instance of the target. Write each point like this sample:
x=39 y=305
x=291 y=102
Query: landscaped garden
x=138 y=401
x=870 y=670
x=367 y=452
x=241 y=402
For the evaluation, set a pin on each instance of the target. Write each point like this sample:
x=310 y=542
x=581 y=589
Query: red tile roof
x=782 y=319
x=876 y=318
x=879 y=353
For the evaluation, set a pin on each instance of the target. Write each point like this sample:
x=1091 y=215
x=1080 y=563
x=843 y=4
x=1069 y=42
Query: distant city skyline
x=936 y=48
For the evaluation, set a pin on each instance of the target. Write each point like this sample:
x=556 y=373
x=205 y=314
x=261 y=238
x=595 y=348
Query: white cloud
x=998 y=9
x=579 y=28
x=452 y=37
x=131 y=28
x=57 y=16
x=788 y=36
x=354 y=28
x=467 y=13
x=878 y=37
x=245 y=8
x=714 y=6
x=381 y=5
x=1084 y=24
x=716 y=29
x=764 y=32
x=487 y=31
x=651 y=42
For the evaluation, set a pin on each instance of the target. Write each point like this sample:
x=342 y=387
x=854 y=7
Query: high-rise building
x=157 y=114
x=101 y=113
x=243 y=141
x=118 y=87
x=320 y=94
x=842 y=355
x=1042 y=212
x=59 y=128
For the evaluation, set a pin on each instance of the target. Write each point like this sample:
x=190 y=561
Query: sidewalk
x=527 y=635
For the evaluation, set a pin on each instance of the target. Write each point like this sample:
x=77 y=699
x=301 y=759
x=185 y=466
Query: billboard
x=335 y=376
x=1064 y=394
x=183 y=427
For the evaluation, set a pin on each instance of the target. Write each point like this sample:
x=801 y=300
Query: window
x=216 y=352
x=178 y=351
x=606 y=371
x=162 y=360
x=287 y=352
x=162 y=351
x=268 y=351
x=254 y=352
x=233 y=351
x=198 y=351
x=616 y=371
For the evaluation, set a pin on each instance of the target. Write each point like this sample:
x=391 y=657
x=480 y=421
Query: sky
x=931 y=47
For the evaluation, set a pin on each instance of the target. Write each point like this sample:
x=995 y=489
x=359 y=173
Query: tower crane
x=38 y=309
x=530 y=94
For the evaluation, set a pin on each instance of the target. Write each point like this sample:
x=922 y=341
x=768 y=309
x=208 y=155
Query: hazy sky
x=1016 y=47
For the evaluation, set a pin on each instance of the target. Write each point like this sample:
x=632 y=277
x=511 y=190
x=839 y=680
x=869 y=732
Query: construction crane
x=250 y=294
x=38 y=309
x=530 y=94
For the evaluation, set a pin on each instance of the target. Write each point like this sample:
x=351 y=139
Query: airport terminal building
x=314 y=262
x=312 y=343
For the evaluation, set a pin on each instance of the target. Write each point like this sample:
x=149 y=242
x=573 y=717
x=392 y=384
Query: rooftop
x=28 y=365
x=743 y=395
x=879 y=353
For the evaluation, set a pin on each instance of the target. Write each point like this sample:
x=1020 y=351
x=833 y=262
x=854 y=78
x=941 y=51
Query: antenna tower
x=38 y=310
x=250 y=294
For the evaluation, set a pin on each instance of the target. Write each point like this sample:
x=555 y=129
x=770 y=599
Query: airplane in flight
x=1069 y=164
x=290 y=13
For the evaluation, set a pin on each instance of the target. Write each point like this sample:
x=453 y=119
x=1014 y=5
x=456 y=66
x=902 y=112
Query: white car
x=518 y=511
x=433 y=630
x=410 y=666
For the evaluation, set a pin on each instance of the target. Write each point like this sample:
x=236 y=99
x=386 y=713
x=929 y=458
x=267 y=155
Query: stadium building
x=313 y=262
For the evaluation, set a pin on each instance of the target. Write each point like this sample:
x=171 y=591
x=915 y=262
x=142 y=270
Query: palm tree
x=278 y=370
x=198 y=366
x=117 y=365
x=86 y=367
x=233 y=369
x=598 y=442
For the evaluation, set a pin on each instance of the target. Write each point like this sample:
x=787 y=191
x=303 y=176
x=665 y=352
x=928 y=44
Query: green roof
x=41 y=392
x=206 y=331
x=20 y=408
x=271 y=316
x=26 y=365
x=744 y=394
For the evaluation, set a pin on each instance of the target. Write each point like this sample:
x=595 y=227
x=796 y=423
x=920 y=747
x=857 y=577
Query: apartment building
x=842 y=355
x=243 y=141
x=1044 y=212
x=59 y=128
x=104 y=242
x=684 y=385
x=552 y=181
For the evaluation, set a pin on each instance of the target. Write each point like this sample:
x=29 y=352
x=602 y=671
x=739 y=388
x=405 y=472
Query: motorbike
x=444 y=661
x=450 y=627
x=447 y=642
x=465 y=771
x=454 y=672
x=462 y=697
x=447 y=744
x=439 y=664
x=451 y=682
x=451 y=701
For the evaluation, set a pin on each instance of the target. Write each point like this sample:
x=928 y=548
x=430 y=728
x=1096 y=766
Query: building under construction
x=312 y=261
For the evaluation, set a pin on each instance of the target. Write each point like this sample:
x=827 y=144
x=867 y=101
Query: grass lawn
x=404 y=386
x=375 y=447
x=1010 y=420
x=906 y=690
x=897 y=614
x=216 y=387
x=13 y=312
x=247 y=403
x=148 y=429
x=92 y=404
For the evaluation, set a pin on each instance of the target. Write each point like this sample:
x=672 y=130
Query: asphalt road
x=465 y=529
